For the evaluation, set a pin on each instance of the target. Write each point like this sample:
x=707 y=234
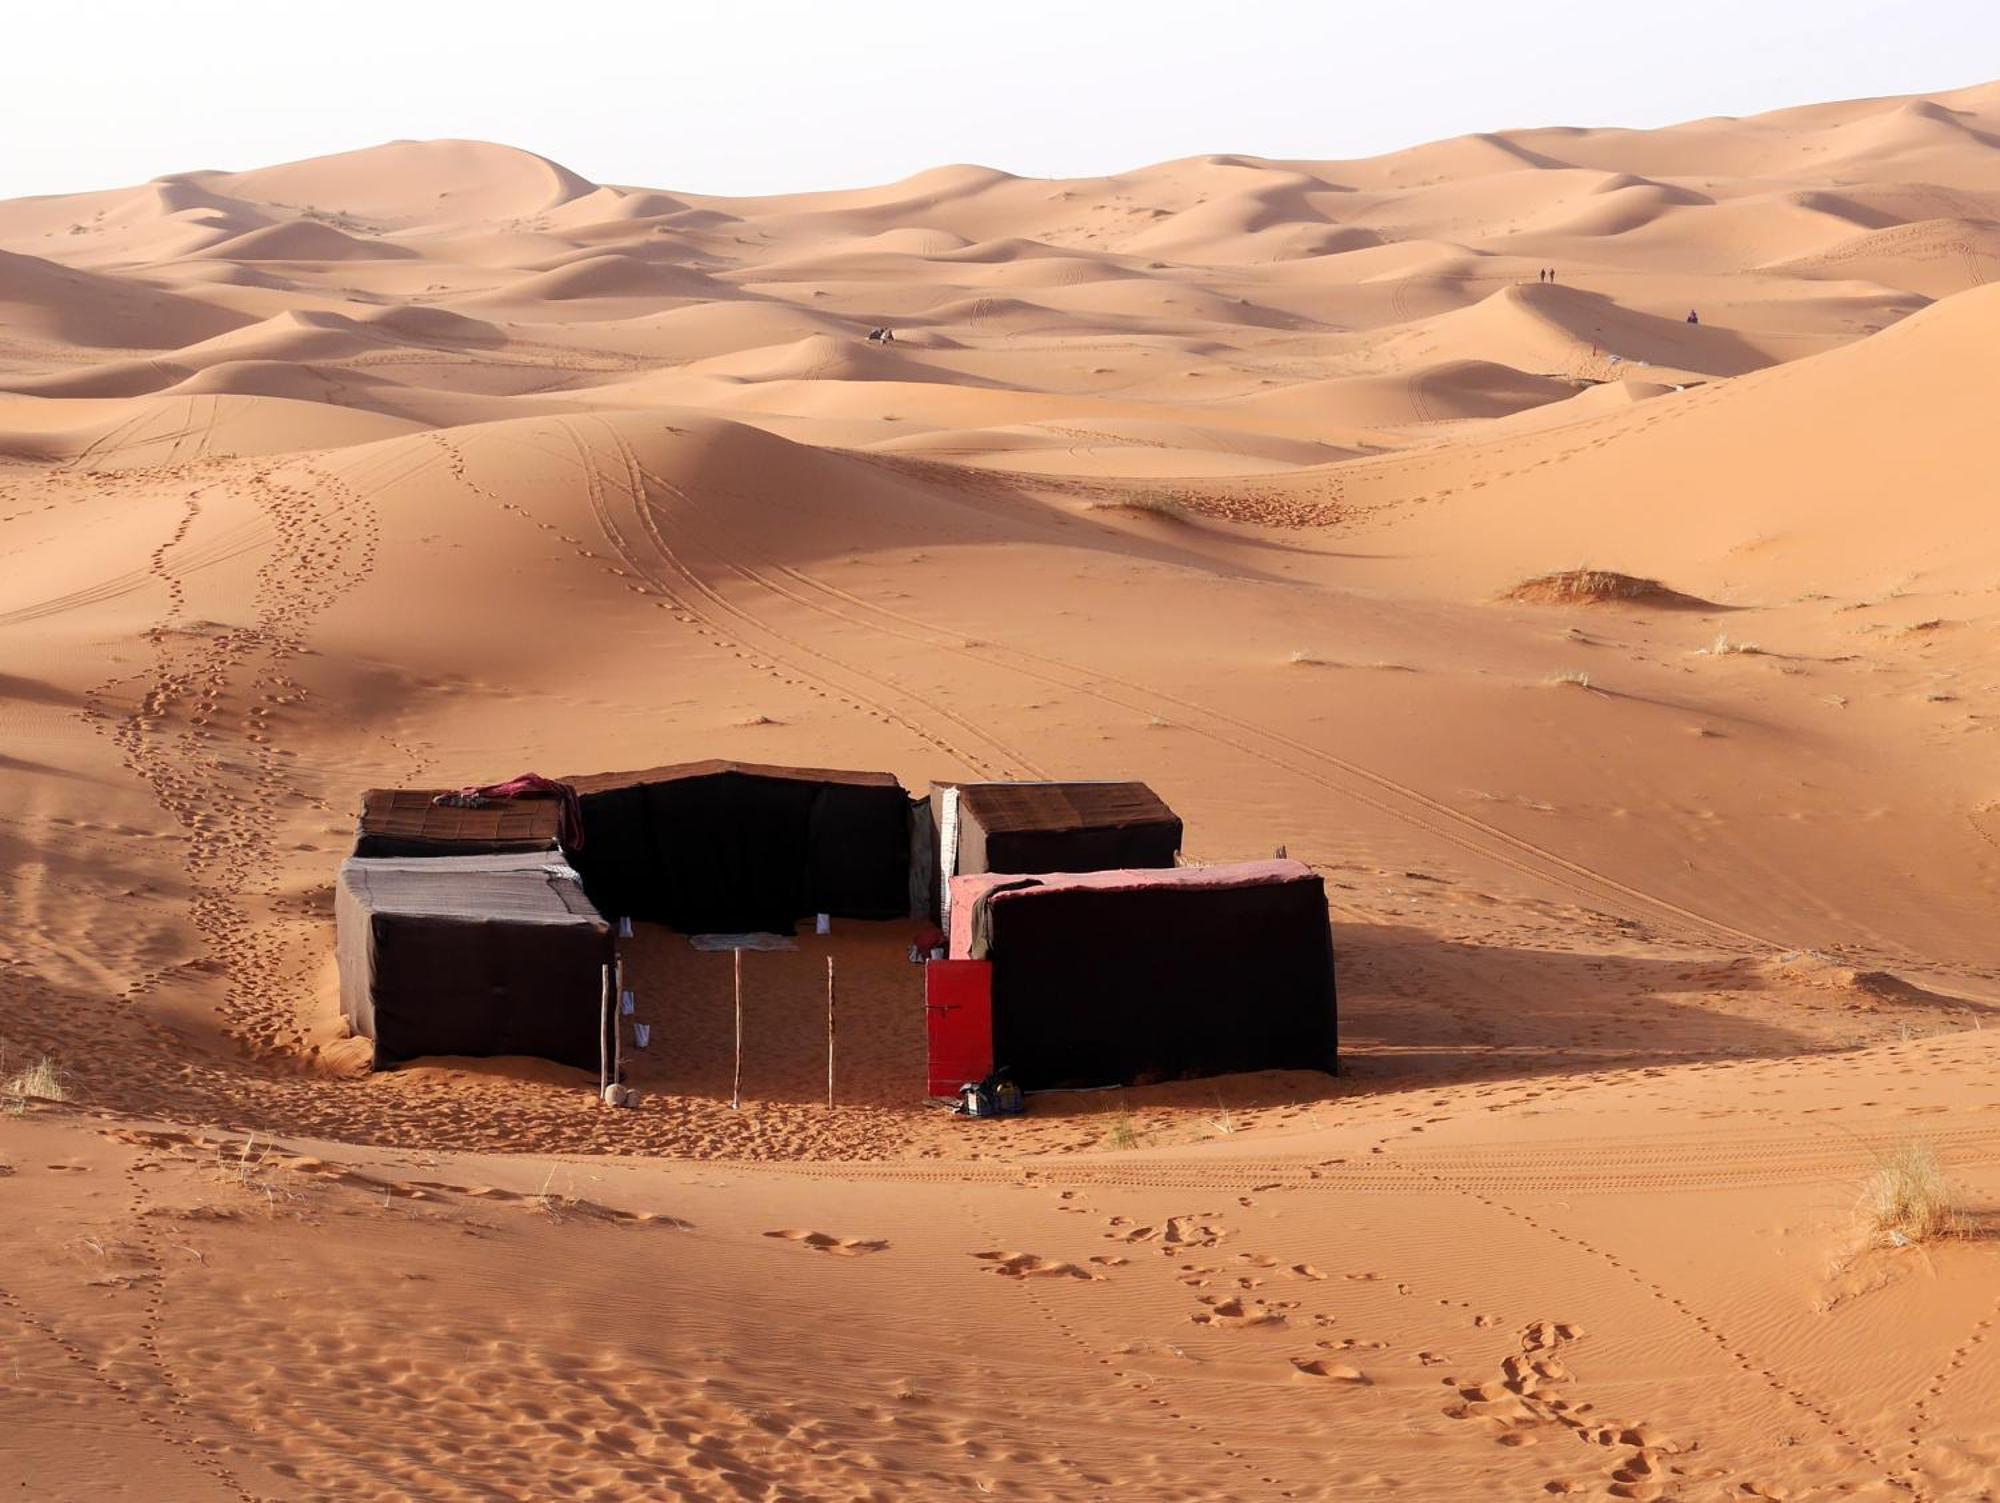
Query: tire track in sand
x=1338 y=775
x=688 y=593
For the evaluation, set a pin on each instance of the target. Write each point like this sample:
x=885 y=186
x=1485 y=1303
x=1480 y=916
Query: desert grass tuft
x=41 y=1081
x=1723 y=647
x=1124 y=1133
x=1569 y=678
x=1907 y=1200
x=556 y=1204
x=1158 y=503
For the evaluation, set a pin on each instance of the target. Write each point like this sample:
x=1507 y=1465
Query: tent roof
x=1016 y=808
x=522 y=888
x=410 y=814
x=607 y=782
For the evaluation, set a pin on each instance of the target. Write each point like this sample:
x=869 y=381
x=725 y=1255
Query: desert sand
x=1662 y=894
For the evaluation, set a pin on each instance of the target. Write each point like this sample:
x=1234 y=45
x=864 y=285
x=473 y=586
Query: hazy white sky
x=773 y=95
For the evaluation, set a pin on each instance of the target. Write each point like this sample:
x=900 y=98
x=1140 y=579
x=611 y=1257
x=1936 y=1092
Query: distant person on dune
x=1693 y=317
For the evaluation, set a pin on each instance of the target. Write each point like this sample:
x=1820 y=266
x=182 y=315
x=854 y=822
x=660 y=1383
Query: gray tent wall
x=473 y=955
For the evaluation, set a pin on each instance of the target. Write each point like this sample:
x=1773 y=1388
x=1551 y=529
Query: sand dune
x=1560 y=331
x=1934 y=257
x=1445 y=392
x=1752 y=480
x=411 y=183
x=609 y=276
x=54 y=304
x=302 y=240
x=825 y=357
x=1626 y=678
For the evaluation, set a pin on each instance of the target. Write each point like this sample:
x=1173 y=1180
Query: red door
x=958 y=999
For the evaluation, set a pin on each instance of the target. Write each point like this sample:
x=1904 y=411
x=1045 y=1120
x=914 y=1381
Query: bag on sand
x=995 y=1096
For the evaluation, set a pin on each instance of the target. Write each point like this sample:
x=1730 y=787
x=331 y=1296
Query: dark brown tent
x=484 y=955
x=1126 y=977
x=406 y=822
x=730 y=847
x=1047 y=827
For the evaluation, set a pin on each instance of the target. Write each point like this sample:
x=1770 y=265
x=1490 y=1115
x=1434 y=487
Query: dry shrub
x=1570 y=678
x=40 y=1081
x=1156 y=502
x=1907 y=1198
x=1124 y=1131
x=1723 y=647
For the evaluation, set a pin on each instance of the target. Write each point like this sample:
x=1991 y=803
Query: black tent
x=484 y=955
x=409 y=822
x=1129 y=977
x=731 y=847
x=1047 y=827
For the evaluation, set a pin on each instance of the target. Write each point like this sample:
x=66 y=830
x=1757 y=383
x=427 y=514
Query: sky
x=765 y=96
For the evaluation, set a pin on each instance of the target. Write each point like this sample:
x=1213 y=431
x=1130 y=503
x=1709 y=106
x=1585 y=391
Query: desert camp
x=1109 y=976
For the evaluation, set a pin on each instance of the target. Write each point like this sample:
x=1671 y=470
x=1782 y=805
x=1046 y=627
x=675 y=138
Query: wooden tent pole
x=603 y=1028
x=829 y=1031
x=736 y=1086
x=618 y=1027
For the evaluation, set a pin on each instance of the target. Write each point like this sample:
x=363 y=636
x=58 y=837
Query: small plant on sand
x=1159 y=503
x=1304 y=659
x=553 y=1203
x=1722 y=647
x=1570 y=678
x=40 y=1081
x=1123 y=1133
x=247 y=1169
x=1907 y=1199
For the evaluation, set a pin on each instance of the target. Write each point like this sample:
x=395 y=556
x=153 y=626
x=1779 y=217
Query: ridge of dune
x=404 y=184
